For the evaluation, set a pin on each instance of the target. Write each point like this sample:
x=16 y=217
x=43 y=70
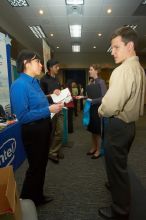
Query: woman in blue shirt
x=32 y=109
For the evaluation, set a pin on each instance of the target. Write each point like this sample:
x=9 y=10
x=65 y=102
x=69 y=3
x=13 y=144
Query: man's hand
x=99 y=112
x=57 y=92
x=79 y=97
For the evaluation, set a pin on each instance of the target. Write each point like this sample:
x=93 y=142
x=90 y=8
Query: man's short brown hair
x=127 y=34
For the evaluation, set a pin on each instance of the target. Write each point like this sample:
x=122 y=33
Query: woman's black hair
x=25 y=55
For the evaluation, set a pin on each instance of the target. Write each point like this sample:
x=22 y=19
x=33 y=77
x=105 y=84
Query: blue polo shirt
x=28 y=101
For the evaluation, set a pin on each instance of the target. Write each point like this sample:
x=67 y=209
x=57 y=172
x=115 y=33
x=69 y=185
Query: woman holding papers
x=95 y=91
x=33 y=111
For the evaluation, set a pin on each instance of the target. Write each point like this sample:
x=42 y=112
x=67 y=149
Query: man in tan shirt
x=122 y=105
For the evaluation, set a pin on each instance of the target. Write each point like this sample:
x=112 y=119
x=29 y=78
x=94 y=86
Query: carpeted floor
x=77 y=182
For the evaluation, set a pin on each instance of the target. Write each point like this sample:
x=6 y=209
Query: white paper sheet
x=65 y=96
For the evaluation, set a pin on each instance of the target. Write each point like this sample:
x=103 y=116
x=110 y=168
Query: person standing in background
x=70 y=112
x=81 y=93
x=75 y=92
x=50 y=85
x=122 y=105
x=95 y=91
x=33 y=112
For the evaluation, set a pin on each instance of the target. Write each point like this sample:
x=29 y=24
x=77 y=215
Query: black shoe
x=53 y=158
x=95 y=157
x=90 y=153
x=108 y=213
x=108 y=186
x=44 y=200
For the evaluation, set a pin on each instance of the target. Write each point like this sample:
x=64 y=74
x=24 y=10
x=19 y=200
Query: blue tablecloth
x=11 y=146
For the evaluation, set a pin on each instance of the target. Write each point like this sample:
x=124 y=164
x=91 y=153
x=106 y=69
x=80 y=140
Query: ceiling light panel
x=74 y=2
x=76 y=48
x=37 y=31
x=75 y=30
x=109 y=50
x=18 y=3
x=143 y=2
x=132 y=26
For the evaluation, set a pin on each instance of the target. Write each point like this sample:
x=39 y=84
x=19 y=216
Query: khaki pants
x=57 y=134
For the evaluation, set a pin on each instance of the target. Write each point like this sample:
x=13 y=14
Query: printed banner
x=46 y=54
x=11 y=147
x=4 y=81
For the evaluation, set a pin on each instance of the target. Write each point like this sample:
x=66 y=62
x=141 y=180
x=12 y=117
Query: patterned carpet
x=77 y=182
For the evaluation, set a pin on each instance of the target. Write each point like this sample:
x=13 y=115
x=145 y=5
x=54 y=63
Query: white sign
x=46 y=54
x=4 y=83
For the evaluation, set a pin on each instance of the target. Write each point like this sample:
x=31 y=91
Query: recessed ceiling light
x=18 y=3
x=41 y=12
x=76 y=48
x=75 y=30
x=109 y=10
x=74 y=2
x=99 y=34
x=51 y=34
x=37 y=31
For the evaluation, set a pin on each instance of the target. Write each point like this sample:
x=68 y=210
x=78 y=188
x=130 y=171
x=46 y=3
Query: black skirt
x=95 y=121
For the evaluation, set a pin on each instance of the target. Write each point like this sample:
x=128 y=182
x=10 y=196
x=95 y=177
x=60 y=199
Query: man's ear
x=130 y=45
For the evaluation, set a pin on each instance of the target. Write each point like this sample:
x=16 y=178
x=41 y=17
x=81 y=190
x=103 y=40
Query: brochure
x=65 y=96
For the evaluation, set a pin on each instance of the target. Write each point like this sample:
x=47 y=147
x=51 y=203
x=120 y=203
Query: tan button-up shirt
x=125 y=96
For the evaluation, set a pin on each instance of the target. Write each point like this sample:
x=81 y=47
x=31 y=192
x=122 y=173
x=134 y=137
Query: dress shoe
x=53 y=158
x=108 y=186
x=95 y=157
x=108 y=213
x=44 y=200
x=61 y=156
x=90 y=153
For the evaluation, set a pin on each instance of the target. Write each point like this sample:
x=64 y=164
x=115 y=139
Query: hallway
x=77 y=182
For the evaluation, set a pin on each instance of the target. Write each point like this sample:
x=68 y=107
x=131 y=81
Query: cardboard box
x=10 y=208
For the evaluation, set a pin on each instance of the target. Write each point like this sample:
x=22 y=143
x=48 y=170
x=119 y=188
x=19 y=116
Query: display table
x=11 y=146
x=65 y=126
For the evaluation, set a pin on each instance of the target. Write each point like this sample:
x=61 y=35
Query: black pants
x=118 y=140
x=70 y=120
x=75 y=107
x=35 y=137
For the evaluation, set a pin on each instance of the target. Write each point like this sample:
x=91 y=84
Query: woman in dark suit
x=95 y=91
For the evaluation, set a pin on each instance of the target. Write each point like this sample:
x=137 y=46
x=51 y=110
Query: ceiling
x=56 y=19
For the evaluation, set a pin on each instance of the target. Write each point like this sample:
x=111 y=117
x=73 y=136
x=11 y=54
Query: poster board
x=4 y=80
x=46 y=53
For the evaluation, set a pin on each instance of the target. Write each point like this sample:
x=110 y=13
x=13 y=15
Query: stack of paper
x=65 y=96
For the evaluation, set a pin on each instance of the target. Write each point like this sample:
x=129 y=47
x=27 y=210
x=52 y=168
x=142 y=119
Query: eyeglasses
x=36 y=60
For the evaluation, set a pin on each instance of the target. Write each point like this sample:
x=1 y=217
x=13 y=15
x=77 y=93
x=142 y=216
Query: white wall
x=77 y=60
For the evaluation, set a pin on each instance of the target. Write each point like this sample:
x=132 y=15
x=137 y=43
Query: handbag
x=86 y=113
